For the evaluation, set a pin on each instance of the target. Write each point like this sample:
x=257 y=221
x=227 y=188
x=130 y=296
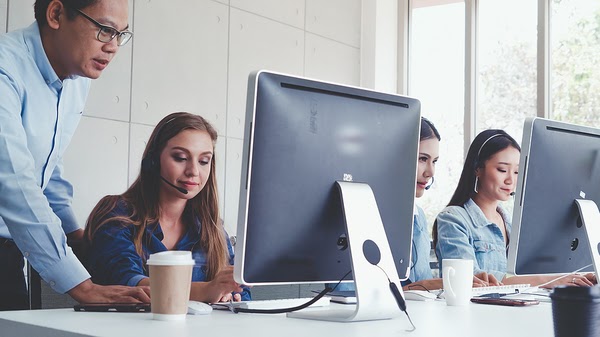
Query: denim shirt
x=112 y=258
x=419 y=269
x=465 y=233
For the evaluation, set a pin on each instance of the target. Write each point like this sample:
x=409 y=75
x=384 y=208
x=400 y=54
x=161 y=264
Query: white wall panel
x=96 y=162
x=3 y=15
x=180 y=60
x=258 y=43
x=196 y=55
x=290 y=12
x=336 y=19
x=110 y=94
x=138 y=137
x=332 y=61
x=232 y=183
x=20 y=13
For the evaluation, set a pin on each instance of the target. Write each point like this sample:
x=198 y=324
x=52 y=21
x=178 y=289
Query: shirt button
x=52 y=283
x=26 y=254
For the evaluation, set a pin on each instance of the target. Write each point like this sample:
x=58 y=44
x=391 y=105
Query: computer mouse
x=419 y=295
x=198 y=308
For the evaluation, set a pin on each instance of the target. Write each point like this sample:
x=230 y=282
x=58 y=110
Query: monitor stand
x=370 y=251
x=590 y=216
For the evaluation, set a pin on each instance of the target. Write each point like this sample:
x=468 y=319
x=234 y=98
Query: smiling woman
x=475 y=226
x=173 y=205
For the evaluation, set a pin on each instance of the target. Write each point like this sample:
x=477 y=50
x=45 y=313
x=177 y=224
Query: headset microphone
x=512 y=194
x=180 y=189
x=429 y=186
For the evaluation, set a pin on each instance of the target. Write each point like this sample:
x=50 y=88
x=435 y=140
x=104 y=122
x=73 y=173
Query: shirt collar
x=479 y=219
x=191 y=234
x=33 y=41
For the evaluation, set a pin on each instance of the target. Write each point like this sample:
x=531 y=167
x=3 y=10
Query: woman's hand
x=576 y=280
x=484 y=279
x=220 y=289
x=236 y=297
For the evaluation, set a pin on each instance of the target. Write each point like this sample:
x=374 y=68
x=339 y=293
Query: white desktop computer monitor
x=305 y=140
x=559 y=177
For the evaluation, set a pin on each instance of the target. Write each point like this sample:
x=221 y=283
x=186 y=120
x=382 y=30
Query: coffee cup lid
x=171 y=258
x=576 y=293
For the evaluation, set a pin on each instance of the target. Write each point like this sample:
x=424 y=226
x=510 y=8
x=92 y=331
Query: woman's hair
x=428 y=130
x=141 y=199
x=484 y=146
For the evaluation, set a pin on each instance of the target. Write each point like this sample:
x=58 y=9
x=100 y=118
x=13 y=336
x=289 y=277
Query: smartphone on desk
x=113 y=307
x=504 y=301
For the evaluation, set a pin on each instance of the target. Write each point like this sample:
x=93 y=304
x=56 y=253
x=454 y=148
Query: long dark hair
x=484 y=146
x=428 y=130
x=143 y=196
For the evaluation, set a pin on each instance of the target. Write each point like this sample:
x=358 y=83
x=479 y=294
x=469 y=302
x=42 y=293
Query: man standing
x=45 y=72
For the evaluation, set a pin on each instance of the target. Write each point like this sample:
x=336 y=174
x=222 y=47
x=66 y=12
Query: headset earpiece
x=149 y=163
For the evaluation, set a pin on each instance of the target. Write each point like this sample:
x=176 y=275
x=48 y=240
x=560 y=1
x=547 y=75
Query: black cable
x=411 y=286
x=399 y=299
x=291 y=309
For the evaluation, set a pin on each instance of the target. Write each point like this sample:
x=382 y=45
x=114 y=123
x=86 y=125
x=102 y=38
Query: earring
x=476 y=182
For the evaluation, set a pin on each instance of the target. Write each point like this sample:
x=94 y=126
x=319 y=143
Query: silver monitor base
x=590 y=216
x=366 y=238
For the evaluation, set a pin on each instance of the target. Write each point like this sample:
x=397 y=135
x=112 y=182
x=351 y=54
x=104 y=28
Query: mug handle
x=448 y=274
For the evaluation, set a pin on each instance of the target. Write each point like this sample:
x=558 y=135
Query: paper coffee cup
x=170 y=283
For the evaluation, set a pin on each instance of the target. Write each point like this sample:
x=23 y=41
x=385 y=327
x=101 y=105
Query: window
x=506 y=83
x=575 y=60
x=506 y=65
x=436 y=78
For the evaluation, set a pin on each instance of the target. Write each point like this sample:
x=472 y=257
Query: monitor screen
x=301 y=136
x=560 y=163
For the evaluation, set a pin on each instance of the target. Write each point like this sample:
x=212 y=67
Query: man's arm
x=30 y=220
x=28 y=217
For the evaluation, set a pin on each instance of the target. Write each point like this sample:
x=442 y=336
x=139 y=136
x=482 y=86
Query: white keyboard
x=273 y=304
x=503 y=289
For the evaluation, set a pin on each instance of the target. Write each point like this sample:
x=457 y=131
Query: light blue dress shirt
x=421 y=246
x=465 y=233
x=38 y=116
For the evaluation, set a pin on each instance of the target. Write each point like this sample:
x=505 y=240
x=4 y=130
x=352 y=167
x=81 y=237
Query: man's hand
x=75 y=237
x=88 y=292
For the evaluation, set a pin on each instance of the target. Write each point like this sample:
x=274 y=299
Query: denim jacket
x=465 y=233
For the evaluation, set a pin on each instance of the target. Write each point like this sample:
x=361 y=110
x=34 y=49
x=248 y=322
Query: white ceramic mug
x=457 y=276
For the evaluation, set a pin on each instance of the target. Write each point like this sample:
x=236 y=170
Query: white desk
x=431 y=319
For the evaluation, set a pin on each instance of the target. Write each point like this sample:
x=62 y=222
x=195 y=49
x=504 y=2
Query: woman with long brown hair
x=173 y=205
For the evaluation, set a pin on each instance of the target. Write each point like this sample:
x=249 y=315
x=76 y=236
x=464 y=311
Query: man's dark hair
x=41 y=6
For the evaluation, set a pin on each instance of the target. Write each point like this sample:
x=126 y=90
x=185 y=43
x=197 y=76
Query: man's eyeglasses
x=108 y=33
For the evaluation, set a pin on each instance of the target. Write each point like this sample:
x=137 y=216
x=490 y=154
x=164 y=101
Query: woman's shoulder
x=456 y=215
x=119 y=210
x=453 y=210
